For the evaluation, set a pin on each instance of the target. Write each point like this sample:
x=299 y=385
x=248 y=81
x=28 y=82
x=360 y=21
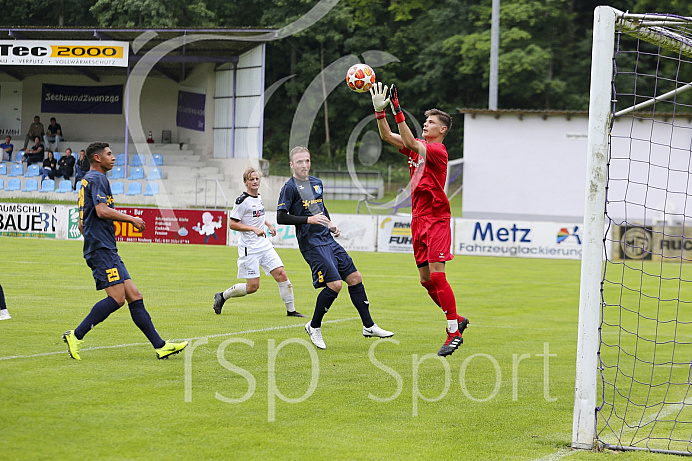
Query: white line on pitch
x=561 y=453
x=218 y=335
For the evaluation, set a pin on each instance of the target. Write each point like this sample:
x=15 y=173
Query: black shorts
x=107 y=267
x=329 y=263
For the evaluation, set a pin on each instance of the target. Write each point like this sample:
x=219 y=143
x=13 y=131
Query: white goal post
x=638 y=397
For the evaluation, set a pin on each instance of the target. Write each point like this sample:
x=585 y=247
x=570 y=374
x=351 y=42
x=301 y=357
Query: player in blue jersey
x=96 y=216
x=301 y=204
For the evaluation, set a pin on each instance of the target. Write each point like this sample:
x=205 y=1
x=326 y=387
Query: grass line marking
x=218 y=335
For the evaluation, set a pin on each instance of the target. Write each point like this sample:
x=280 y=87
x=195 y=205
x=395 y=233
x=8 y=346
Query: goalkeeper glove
x=396 y=108
x=379 y=99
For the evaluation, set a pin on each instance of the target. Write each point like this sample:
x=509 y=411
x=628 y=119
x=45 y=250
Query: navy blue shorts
x=329 y=263
x=107 y=267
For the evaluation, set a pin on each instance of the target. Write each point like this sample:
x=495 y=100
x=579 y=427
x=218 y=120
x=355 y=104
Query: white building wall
x=534 y=168
x=530 y=168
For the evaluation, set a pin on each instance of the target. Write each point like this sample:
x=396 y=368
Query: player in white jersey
x=255 y=250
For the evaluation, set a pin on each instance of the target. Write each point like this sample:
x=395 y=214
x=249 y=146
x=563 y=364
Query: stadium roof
x=545 y=113
x=174 y=65
x=520 y=112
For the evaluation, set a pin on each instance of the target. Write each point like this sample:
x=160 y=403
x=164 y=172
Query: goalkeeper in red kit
x=432 y=236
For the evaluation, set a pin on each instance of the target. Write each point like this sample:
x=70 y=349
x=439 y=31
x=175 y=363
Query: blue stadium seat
x=120 y=160
x=48 y=185
x=137 y=160
x=14 y=184
x=18 y=156
x=156 y=160
x=65 y=186
x=78 y=186
x=3 y=169
x=136 y=173
x=17 y=170
x=154 y=174
x=30 y=185
x=118 y=172
x=152 y=189
x=57 y=155
x=33 y=170
x=2 y=184
x=134 y=188
x=117 y=187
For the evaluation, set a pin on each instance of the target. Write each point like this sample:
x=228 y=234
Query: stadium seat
x=14 y=184
x=117 y=187
x=120 y=160
x=2 y=184
x=118 y=172
x=57 y=155
x=136 y=173
x=33 y=170
x=137 y=160
x=154 y=174
x=17 y=170
x=48 y=185
x=3 y=169
x=134 y=188
x=156 y=160
x=65 y=186
x=18 y=156
x=30 y=185
x=152 y=189
x=78 y=186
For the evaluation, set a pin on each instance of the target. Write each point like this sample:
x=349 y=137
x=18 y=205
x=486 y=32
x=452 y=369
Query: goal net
x=634 y=358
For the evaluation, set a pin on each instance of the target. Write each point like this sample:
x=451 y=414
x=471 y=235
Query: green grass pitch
x=252 y=387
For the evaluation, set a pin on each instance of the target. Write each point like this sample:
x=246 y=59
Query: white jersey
x=249 y=210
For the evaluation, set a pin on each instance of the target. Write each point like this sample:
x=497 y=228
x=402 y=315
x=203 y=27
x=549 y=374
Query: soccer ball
x=360 y=78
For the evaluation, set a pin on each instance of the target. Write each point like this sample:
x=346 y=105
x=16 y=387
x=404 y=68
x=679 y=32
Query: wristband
x=400 y=117
x=380 y=114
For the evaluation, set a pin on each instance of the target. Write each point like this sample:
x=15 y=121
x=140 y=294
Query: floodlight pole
x=494 y=55
x=584 y=418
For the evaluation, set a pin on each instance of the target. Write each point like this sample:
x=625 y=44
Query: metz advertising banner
x=66 y=99
x=63 y=53
x=520 y=239
x=358 y=233
x=29 y=220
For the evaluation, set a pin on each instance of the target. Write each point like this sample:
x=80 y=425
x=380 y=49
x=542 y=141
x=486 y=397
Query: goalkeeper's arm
x=380 y=102
x=407 y=138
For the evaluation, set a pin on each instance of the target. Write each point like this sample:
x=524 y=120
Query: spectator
x=49 y=166
x=36 y=129
x=53 y=134
x=35 y=154
x=7 y=149
x=81 y=167
x=66 y=165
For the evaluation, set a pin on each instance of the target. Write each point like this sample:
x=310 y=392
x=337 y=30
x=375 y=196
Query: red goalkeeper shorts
x=432 y=239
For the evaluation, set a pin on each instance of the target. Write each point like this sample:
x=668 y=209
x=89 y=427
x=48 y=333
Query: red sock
x=432 y=291
x=445 y=294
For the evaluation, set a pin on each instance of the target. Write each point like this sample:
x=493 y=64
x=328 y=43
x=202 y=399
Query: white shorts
x=249 y=265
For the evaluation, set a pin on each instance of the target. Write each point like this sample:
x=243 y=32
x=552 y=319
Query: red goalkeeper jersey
x=428 y=177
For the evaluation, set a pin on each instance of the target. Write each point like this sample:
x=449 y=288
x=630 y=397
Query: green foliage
x=152 y=13
x=443 y=52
